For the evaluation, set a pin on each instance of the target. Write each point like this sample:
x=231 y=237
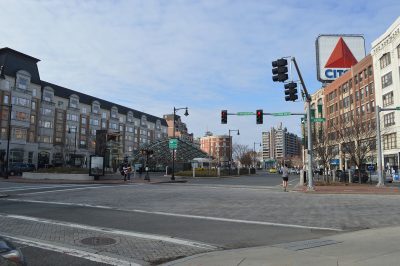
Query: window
x=46 y=124
x=114 y=112
x=95 y=107
x=114 y=126
x=21 y=101
x=20 y=116
x=33 y=105
x=47 y=111
x=104 y=115
x=73 y=102
x=121 y=128
x=72 y=117
x=83 y=120
x=388 y=119
x=398 y=51
x=60 y=103
x=386 y=80
x=22 y=83
x=387 y=99
x=385 y=60
x=103 y=125
x=33 y=119
x=372 y=103
x=84 y=110
x=34 y=92
x=94 y=122
x=20 y=134
x=370 y=70
x=371 y=88
x=5 y=99
x=389 y=141
x=121 y=119
x=48 y=96
x=83 y=131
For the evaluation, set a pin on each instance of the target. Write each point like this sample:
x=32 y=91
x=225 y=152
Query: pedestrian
x=285 y=177
x=125 y=170
x=140 y=171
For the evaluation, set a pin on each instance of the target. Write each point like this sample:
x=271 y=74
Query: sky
x=209 y=55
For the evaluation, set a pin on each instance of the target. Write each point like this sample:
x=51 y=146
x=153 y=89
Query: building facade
x=181 y=130
x=279 y=145
x=50 y=124
x=386 y=64
x=349 y=108
x=218 y=147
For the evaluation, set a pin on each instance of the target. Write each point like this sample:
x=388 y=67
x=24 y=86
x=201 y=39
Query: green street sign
x=398 y=108
x=281 y=114
x=319 y=119
x=173 y=144
x=245 y=113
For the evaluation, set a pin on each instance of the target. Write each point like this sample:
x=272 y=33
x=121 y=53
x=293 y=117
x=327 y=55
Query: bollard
x=194 y=172
x=219 y=171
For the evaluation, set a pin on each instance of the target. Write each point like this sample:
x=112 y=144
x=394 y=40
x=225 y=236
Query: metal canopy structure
x=162 y=154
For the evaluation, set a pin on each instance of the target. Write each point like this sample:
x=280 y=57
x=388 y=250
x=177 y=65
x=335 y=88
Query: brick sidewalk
x=350 y=189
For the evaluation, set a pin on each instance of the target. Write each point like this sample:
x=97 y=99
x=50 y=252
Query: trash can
x=252 y=170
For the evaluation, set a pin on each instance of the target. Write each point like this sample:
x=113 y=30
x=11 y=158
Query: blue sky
x=206 y=55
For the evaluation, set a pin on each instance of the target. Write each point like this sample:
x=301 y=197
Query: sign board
x=397 y=108
x=336 y=54
x=173 y=144
x=318 y=119
x=245 y=113
x=371 y=167
x=96 y=166
x=334 y=161
x=281 y=114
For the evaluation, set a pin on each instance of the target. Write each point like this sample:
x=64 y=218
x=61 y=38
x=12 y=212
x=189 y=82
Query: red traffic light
x=259 y=116
x=224 y=117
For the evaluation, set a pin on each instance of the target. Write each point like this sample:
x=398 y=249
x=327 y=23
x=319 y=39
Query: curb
x=2 y=195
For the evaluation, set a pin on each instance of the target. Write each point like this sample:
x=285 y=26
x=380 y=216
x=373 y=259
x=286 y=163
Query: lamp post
x=230 y=150
x=173 y=136
x=254 y=150
x=69 y=131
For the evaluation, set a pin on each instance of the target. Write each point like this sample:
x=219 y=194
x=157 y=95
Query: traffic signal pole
x=310 y=185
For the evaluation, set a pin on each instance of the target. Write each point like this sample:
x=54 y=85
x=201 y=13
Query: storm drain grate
x=306 y=244
x=98 y=241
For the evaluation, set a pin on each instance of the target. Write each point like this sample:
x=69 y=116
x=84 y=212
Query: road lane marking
x=69 y=189
x=37 y=187
x=173 y=240
x=179 y=215
x=71 y=251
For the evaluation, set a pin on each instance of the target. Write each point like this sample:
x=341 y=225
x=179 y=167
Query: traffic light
x=291 y=91
x=259 y=116
x=224 y=117
x=280 y=70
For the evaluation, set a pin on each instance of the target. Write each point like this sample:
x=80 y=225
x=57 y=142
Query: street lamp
x=230 y=151
x=69 y=131
x=8 y=137
x=173 y=136
x=254 y=149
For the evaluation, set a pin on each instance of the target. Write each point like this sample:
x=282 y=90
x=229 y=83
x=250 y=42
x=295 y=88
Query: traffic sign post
x=173 y=144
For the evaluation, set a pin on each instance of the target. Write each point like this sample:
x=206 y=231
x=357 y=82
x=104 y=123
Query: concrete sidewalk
x=354 y=188
x=367 y=247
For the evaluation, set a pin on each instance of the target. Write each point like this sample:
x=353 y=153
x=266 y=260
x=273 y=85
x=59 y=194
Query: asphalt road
x=145 y=220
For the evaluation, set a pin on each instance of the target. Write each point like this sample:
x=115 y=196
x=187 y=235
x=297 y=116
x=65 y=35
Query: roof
x=87 y=99
x=13 y=61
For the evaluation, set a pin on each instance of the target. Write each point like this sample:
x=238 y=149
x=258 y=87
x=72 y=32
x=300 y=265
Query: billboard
x=336 y=54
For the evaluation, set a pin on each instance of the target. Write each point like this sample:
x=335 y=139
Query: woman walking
x=285 y=177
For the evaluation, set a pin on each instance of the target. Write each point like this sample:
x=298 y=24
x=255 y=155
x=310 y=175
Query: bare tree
x=240 y=152
x=358 y=139
x=323 y=151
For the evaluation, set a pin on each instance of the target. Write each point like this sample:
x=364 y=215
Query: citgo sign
x=336 y=54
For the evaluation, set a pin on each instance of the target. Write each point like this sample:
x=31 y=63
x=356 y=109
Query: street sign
x=319 y=119
x=371 y=167
x=281 y=114
x=245 y=113
x=398 y=108
x=173 y=144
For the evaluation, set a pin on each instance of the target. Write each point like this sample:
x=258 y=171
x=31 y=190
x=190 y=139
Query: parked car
x=19 y=168
x=360 y=174
x=10 y=255
x=342 y=176
x=273 y=170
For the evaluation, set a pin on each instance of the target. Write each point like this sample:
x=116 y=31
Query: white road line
x=35 y=188
x=71 y=251
x=113 y=231
x=229 y=186
x=181 y=215
x=68 y=189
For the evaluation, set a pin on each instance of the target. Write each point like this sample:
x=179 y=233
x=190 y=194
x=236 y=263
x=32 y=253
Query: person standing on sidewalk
x=285 y=177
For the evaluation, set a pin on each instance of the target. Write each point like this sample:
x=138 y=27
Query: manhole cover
x=98 y=241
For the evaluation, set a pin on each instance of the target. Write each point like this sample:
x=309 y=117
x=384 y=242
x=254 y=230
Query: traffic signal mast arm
x=308 y=97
